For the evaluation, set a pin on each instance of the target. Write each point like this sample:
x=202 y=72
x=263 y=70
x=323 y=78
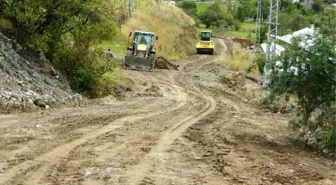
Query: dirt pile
x=243 y=42
x=162 y=63
x=152 y=91
x=233 y=80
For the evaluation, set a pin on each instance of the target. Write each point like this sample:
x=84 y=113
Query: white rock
x=47 y=106
x=88 y=172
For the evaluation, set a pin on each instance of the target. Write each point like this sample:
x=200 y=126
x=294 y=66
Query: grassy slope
x=165 y=21
x=245 y=31
x=170 y=24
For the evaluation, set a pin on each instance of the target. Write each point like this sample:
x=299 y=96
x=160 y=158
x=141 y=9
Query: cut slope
x=24 y=81
x=176 y=30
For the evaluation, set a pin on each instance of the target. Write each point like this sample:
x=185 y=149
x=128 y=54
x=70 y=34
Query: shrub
x=84 y=78
x=260 y=61
x=239 y=61
x=313 y=86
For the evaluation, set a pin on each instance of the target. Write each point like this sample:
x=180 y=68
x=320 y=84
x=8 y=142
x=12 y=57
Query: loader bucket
x=140 y=63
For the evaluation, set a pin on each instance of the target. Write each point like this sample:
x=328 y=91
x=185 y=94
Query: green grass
x=202 y=7
x=247 y=26
x=117 y=45
x=246 y=31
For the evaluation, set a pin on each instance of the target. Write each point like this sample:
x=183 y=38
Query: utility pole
x=131 y=7
x=258 y=22
x=271 y=39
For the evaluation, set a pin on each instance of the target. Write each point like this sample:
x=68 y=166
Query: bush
x=260 y=61
x=105 y=84
x=115 y=83
x=84 y=78
x=239 y=61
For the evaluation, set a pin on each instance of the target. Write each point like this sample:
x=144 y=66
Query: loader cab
x=140 y=37
x=142 y=42
x=205 y=36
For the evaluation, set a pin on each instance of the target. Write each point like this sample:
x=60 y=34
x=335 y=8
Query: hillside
x=176 y=30
x=24 y=82
x=31 y=82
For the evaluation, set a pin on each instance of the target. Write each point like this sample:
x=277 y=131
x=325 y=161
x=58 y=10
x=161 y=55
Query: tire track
x=52 y=158
x=138 y=173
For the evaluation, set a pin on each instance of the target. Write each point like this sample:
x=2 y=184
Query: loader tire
x=127 y=58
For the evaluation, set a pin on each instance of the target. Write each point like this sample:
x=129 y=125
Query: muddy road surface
x=175 y=130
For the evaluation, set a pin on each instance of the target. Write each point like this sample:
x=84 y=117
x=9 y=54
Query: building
x=307 y=40
x=304 y=3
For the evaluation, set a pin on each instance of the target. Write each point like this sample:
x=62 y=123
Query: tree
x=218 y=17
x=65 y=31
x=213 y=14
x=313 y=85
x=189 y=7
x=43 y=24
x=327 y=23
x=246 y=8
x=317 y=6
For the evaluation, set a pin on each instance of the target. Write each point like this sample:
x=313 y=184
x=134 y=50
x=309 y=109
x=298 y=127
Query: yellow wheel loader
x=141 y=51
x=205 y=45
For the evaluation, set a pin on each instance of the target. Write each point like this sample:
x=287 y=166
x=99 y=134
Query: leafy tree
x=327 y=23
x=64 y=30
x=246 y=8
x=212 y=14
x=43 y=24
x=314 y=83
x=218 y=17
x=317 y=6
x=292 y=21
x=189 y=7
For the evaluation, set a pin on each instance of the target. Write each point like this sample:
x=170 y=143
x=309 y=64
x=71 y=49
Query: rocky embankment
x=25 y=84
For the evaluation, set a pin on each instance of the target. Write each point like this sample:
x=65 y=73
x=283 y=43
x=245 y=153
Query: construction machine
x=205 y=45
x=141 y=51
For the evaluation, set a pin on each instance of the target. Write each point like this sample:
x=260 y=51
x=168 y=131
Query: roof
x=305 y=33
x=278 y=49
x=143 y=32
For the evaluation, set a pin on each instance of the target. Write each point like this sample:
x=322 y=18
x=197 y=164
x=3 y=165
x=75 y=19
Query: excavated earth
x=182 y=127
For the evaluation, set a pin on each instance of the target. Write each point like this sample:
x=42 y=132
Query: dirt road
x=174 y=130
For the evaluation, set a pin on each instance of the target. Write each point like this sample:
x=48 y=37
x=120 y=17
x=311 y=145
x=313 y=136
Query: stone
x=40 y=103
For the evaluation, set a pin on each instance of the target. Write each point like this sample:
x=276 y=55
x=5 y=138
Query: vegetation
x=217 y=16
x=189 y=7
x=313 y=86
x=64 y=31
x=239 y=61
x=260 y=61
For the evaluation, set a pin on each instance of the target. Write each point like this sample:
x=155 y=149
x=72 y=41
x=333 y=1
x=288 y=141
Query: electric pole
x=131 y=7
x=271 y=39
x=258 y=22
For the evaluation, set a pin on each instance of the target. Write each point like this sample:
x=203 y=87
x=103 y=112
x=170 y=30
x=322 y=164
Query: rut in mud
x=175 y=131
